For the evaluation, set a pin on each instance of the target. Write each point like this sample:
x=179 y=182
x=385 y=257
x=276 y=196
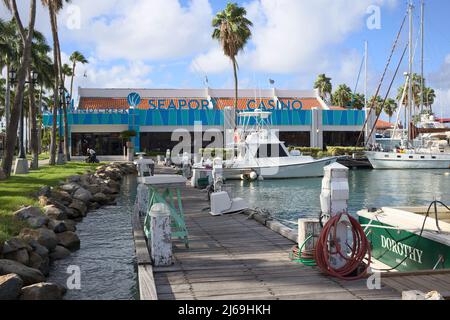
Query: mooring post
x=334 y=201
x=308 y=227
x=161 y=242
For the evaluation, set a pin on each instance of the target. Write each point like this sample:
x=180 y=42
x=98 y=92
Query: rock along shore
x=51 y=233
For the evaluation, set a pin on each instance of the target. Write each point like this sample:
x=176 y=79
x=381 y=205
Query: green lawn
x=19 y=190
x=42 y=156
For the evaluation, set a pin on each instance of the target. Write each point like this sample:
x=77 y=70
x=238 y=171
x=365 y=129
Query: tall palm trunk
x=27 y=36
x=71 y=80
x=33 y=127
x=235 y=90
x=64 y=103
x=39 y=127
x=7 y=95
x=53 y=138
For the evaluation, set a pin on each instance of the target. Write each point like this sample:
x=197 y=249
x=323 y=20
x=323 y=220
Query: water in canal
x=106 y=258
x=295 y=198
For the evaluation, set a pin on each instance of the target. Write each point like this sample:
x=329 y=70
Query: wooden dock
x=233 y=257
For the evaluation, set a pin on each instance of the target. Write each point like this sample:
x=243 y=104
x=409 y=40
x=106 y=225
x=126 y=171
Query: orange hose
x=360 y=248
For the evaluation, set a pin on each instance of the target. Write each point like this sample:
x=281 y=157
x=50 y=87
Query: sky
x=168 y=44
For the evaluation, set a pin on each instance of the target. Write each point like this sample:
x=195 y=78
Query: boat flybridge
x=258 y=153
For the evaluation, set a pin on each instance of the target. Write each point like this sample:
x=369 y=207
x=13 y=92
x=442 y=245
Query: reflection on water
x=294 y=198
x=106 y=258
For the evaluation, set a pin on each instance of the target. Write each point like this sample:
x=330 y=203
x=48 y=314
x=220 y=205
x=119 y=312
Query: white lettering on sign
x=402 y=249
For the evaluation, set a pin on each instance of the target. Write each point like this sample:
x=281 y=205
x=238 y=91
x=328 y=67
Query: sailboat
x=422 y=148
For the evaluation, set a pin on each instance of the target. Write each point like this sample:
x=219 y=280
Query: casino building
x=100 y=115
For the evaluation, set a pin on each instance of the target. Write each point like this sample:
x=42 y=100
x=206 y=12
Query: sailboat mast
x=366 y=51
x=422 y=84
x=410 y=84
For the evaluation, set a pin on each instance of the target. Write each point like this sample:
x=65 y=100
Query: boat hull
x=404 y=250
x=391 y=160
x=295 y=170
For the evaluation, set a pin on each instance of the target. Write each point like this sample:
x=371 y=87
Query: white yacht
x=260 y=154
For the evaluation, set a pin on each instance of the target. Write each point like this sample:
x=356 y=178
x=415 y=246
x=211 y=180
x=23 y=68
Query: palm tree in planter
x=126 y=138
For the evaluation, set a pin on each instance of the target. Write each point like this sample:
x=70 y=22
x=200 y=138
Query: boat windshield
x=271 y=151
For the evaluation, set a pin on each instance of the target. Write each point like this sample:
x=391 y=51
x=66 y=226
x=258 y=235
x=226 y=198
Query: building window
x=103 y=143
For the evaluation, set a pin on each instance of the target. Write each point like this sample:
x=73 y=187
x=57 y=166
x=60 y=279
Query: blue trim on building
x=174 y=117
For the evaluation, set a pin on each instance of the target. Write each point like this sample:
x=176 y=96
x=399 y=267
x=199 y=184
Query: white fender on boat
x=253 y=176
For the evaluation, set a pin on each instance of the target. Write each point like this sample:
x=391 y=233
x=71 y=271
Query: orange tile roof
x=381 y=124
x=220 y=103
x=336 y=108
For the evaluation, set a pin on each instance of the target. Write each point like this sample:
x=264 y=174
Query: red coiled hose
x=359 y=249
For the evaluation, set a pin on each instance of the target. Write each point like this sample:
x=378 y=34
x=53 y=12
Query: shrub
x=307 y=151
x=342 y=151
x=224 y=153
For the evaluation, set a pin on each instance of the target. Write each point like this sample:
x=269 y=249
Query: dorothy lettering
x=402 y=249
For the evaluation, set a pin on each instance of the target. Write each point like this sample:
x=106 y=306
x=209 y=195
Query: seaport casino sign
x=134 y=100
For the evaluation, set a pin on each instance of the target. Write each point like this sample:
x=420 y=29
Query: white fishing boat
x=426 y=144
x=260 y=154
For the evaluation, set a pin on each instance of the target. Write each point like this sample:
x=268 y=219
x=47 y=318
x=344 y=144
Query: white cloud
x=296 y=36
x=213 y=61
x=440 y=81
x=128 y=75
x=142 y=29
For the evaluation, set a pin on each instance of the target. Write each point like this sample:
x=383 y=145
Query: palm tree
x=416 y=88
x=342 y=96
x=9 y=51
x=75 y=57
x=26 y=37
x=54 y=6
x=232 y=30
x=323 y=84
x=40 y=63
x=376 y=102
x=428 y=97
x=66 y=71
x=358 y=101
x=390 y=107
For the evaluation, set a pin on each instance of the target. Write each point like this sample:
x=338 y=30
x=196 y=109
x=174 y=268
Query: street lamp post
x=10 y=79
x=60 y=159
x=21 y=165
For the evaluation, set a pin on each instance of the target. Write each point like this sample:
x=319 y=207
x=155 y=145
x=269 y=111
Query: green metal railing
x=167 y=197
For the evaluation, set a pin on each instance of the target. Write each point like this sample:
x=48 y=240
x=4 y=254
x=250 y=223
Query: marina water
x=297 y=198
x=106 y=258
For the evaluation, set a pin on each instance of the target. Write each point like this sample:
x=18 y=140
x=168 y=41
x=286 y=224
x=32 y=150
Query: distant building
x=301 y=116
